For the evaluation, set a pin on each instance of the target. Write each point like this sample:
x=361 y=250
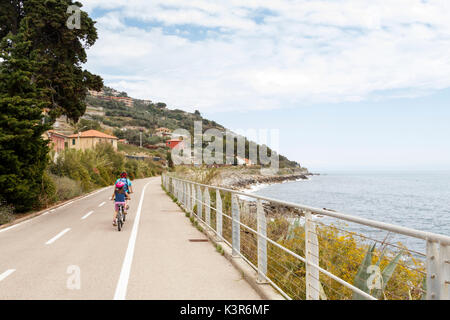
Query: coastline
x=256 y=182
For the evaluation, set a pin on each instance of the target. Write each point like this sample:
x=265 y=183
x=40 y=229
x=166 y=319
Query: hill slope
x=127 y=122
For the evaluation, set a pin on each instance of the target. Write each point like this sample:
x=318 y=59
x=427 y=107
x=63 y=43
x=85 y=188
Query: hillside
x=127 y=122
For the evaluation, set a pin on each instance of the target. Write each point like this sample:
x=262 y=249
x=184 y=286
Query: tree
x=61 y=51
x=169 y=159
x=23 y=152
x=40 y=68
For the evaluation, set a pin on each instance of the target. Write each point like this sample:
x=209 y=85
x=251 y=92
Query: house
x=101 y=94
x=57 y=140
x=172 y=143
x=96 y=93
x=124 y=141
x=163 y=132
x=243 y=161
x=88 y=140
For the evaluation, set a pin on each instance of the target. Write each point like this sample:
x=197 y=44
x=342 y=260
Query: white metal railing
x=254 y=249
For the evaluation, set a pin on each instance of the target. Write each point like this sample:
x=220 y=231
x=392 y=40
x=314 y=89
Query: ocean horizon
x=414 y=199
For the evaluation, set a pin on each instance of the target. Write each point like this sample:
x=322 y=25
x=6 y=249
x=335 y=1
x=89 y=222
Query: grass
x=219 y=249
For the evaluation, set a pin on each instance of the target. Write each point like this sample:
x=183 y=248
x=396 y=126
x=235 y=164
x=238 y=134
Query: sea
x=417 y=200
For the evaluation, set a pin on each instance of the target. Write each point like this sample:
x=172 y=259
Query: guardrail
x=306 y=252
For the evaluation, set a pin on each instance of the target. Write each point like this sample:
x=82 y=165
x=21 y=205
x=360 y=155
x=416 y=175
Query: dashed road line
x=7 y=273
x=101 y=204
x=87 y=215
x=59 y=235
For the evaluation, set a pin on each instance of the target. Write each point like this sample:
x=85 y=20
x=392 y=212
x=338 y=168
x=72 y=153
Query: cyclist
x=120 y=196
x=128 y=188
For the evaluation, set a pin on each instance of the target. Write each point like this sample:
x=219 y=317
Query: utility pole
x=140 y=139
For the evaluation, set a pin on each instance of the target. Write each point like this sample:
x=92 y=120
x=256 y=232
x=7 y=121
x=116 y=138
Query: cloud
x=234 y=55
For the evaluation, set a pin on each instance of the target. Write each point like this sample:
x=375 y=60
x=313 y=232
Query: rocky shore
x=239 y=181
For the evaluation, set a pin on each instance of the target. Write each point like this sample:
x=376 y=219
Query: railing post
x=438 y=271
x=262 y=243
x=188 y=197
x=235 y=226
x=199 y=203
x=184 y=194
x=312 y=256
x=219 y=214
x=207 y=198
x=193 y=198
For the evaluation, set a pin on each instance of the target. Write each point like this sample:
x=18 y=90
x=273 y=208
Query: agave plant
x=291 y=230
x=365 y=271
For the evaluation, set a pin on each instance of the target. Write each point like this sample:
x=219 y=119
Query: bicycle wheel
x=119 y=219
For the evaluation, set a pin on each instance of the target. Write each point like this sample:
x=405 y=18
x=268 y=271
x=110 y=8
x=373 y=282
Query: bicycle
x=120 y=217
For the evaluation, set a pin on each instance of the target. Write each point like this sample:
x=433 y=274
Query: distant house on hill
x=163 y=132
x=243 y=161
x=96 y=93
x=88 y=139
x=172 y=143
x=113 y=97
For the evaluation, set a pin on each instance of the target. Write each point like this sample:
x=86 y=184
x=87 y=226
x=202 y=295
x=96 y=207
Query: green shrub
x=66 y=188
x=6 y=212
x=48 y=194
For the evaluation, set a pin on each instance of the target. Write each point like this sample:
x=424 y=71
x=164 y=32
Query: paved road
x=74 y=252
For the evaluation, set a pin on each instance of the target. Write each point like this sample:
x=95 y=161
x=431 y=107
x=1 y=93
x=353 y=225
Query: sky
x=349 y=84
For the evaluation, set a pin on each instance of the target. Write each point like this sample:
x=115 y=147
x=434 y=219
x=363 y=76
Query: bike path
x=44 y=257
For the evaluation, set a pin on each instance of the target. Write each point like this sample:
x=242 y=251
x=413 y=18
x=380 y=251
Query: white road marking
x=101 y=204
x=45 y=213
x=65 y=205
x=122 y=284
x=59 y=235
x=87 y=215
x=15 y=225
x=6 y=274
x=9 y=228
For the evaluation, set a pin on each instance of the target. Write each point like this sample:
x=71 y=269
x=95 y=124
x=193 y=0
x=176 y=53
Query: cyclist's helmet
x=120 y=184
x=123 y=175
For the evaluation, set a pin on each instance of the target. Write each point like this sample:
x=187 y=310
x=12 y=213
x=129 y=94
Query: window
x=73 y=142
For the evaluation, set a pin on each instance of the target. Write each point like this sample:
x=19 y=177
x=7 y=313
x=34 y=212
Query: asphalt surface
x=74 y=252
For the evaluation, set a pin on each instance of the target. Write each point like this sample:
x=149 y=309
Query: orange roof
x=92 y=134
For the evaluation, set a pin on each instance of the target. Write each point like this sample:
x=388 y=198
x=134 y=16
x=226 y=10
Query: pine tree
x=61 y=50
x=40 y=67
x=23 y=152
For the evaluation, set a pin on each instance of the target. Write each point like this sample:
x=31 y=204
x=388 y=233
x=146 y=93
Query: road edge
x=54 y=207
